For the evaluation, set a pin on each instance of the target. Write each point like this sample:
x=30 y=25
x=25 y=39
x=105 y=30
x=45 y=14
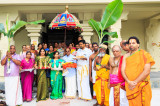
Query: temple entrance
x=57 y=35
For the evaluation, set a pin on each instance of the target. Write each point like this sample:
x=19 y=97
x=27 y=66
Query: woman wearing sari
x=56 y=76
x=50 y=54
x=26 y=67
x=41 y=64
x=39 y=47
x=72 y=48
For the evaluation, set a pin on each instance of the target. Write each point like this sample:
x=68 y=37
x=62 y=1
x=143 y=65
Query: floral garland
x=69 y=65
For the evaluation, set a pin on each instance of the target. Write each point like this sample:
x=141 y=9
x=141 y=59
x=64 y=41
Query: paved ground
x=155 y=79
x=75 y=102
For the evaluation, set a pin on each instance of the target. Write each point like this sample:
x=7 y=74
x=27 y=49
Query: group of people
x=121 y=80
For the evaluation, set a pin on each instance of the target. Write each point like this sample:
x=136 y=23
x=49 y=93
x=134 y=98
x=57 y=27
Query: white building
x=140 y=18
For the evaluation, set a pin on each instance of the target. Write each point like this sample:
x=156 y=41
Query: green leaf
x=7 y=23
x=94 y=25
x=111 y=41
x=10 y=34
x=112 y=34
x=99 y=25
x=36 y=22
x=20 y=24
x=112 y=13
x=17 y=26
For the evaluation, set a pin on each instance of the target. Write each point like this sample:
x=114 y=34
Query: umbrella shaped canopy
x=66 y=21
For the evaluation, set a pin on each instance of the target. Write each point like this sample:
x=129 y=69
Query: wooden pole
x=65 y=36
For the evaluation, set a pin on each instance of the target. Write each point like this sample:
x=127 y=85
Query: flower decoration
x=69 y=65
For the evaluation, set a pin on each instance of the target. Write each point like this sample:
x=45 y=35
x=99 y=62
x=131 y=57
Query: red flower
x=43 y=67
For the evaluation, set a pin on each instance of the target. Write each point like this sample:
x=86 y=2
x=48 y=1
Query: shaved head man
x=124 y=45
x=116 y=79
x=116 y=51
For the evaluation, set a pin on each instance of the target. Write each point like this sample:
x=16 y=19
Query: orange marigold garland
x=69 y=65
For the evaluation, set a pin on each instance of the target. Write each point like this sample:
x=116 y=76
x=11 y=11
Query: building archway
x=57 y=35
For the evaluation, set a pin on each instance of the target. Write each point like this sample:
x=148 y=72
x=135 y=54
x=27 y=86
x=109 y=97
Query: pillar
x=34 y=33
x=34 y=30
x=117 y=28
x=87 y=30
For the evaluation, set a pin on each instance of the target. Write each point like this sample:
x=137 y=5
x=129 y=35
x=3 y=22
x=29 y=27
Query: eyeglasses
x=67 y=51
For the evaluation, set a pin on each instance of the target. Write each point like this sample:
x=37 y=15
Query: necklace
x=27 y=60
x=115 y=64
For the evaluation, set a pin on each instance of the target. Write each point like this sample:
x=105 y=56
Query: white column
x=34 y=33
x=87 y=30
x=115 y=28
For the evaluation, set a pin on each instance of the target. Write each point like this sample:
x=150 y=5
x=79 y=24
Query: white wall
x=20 y=39
x=153 y=36
x=134 y=28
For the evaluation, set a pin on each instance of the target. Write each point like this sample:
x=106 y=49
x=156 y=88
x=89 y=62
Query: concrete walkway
x=75 y=102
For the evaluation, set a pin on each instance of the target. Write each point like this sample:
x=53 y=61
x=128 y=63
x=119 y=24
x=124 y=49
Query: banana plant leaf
x=36 y=22
x=111 y=41
x=16 y=27
x=112 y=13
x=13 y=29
x=20 y=24
x=94 y=25
x=111 y=34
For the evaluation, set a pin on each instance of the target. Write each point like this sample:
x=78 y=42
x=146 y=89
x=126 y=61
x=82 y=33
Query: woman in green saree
x=56 y=76
x=50 y=54
x=41 y=64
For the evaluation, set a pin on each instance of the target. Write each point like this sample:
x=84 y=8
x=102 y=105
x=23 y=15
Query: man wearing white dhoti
x=117 y=92
x=13 y=91
x=70 y=77
x=82 y=57
x=92 y=72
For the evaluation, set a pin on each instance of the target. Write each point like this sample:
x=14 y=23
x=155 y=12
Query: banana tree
x=111 y=14
x=10 y=32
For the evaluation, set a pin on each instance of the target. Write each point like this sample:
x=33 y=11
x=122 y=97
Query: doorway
x=57 y=35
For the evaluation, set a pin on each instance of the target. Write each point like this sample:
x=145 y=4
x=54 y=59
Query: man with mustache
x=136 y=69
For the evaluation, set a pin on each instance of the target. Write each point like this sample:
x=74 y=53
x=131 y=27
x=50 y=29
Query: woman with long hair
x=51 y=51
x=50 y=54
x=27 y=75
x=56 y=76
x=39 y=47
x=41 y=64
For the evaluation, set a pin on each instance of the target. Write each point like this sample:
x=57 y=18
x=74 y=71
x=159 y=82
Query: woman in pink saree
x=27 y=75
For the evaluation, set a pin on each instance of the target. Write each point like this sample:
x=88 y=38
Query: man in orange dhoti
x=136 y=72
x=102 y=75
